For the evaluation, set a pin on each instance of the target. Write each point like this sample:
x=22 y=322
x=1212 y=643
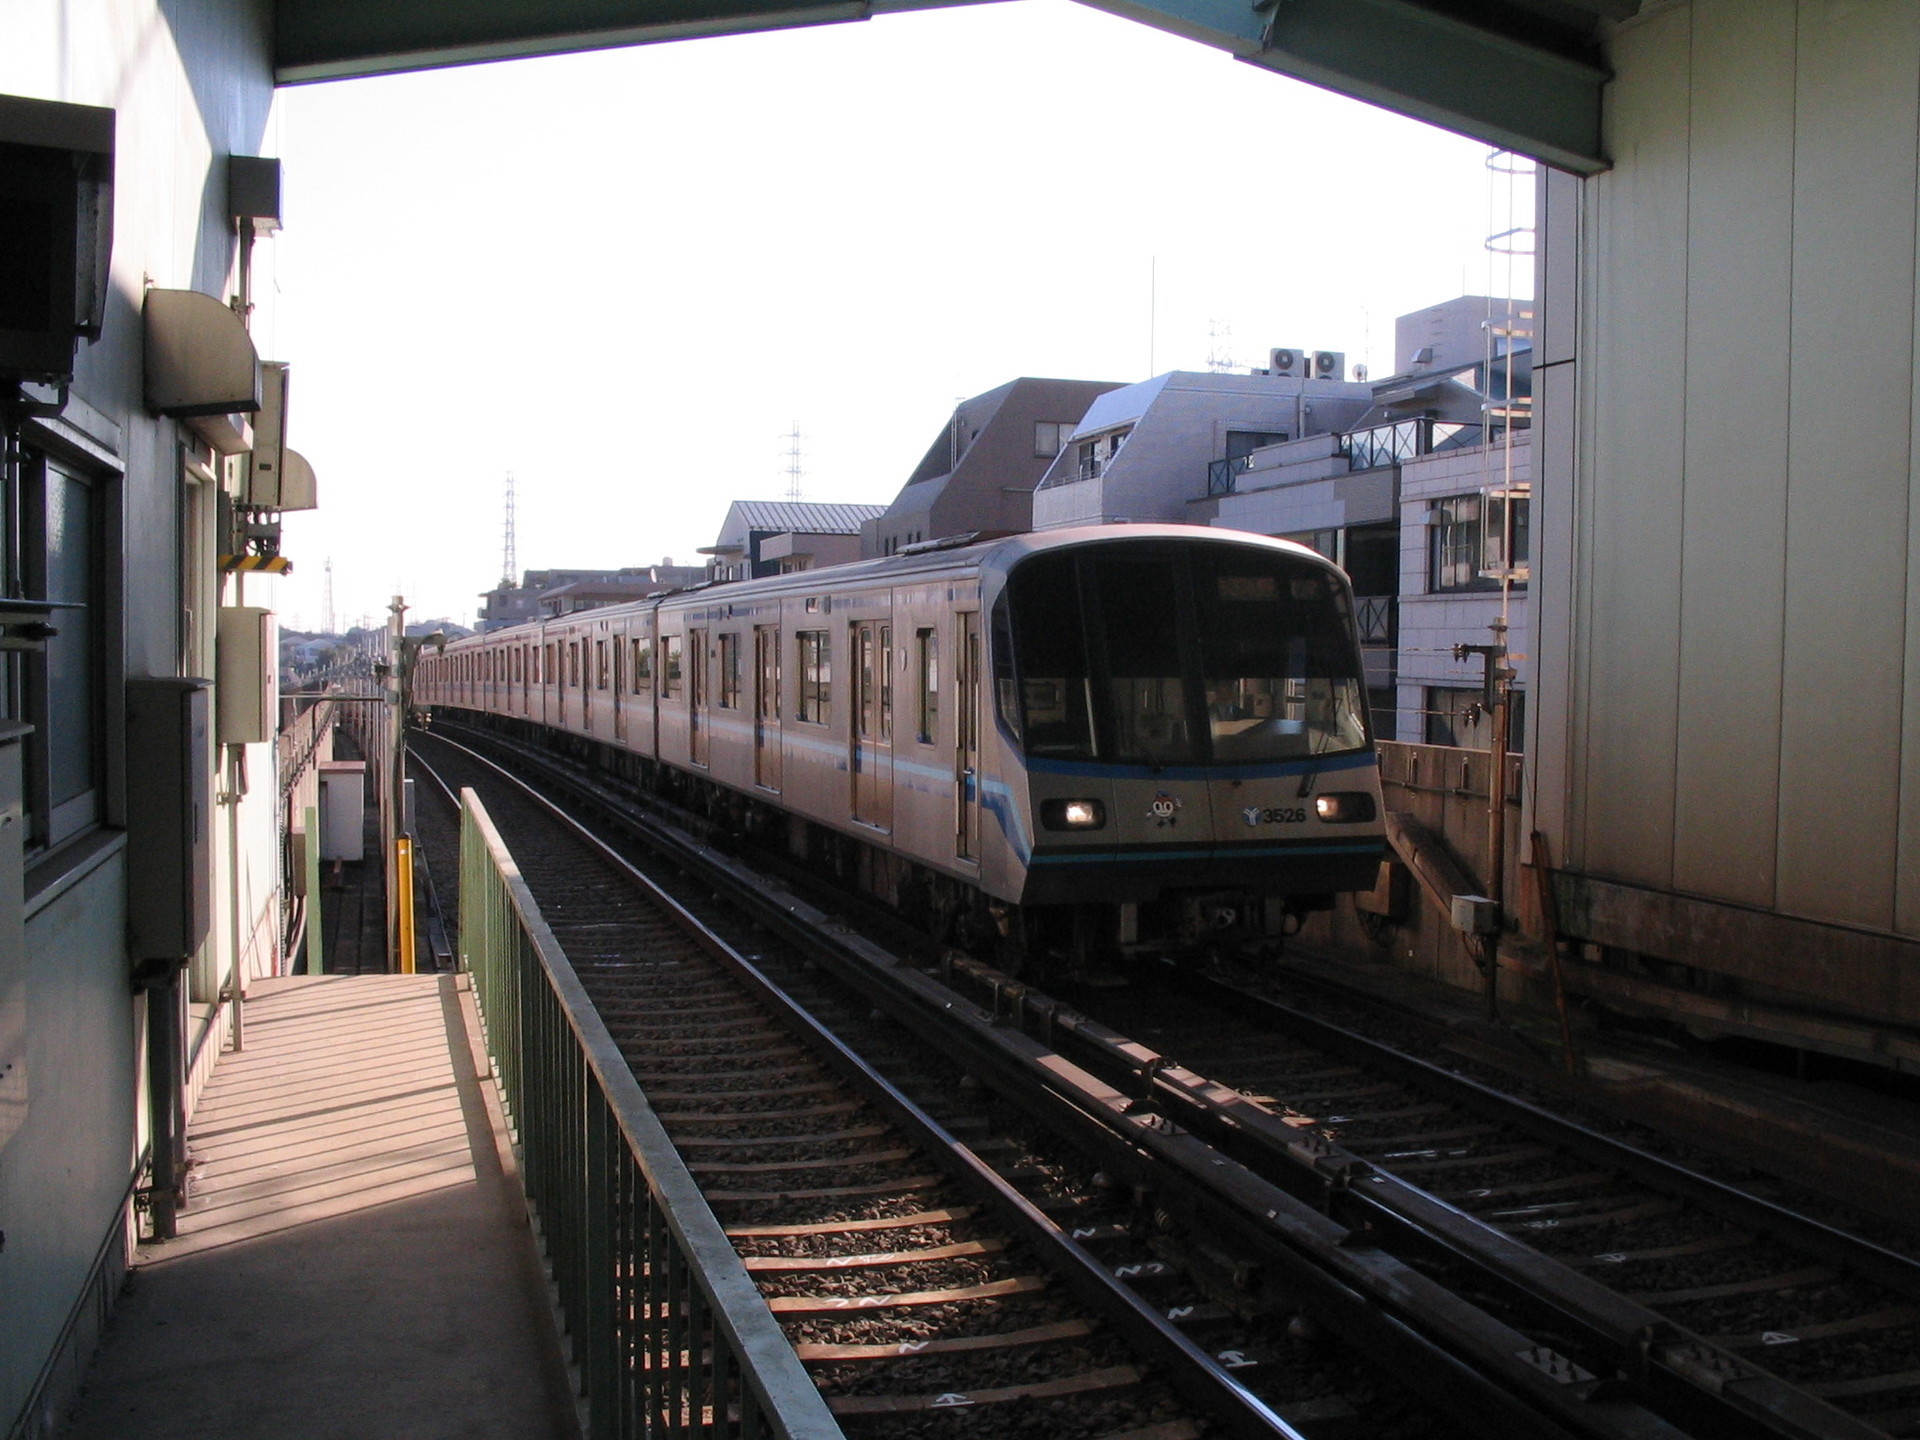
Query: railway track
x=1318 y=1126
x=930 y=1263
x=1832 y=1315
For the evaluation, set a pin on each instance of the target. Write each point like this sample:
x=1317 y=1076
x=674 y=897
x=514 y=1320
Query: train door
x=966 y=739
x=619 y=643
x=873 y=723
x=697 y=698
x=766 y=706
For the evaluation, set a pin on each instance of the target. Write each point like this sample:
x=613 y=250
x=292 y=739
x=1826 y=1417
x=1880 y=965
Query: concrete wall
x=1728 y=521
x=1180 y=423
x=190 y=84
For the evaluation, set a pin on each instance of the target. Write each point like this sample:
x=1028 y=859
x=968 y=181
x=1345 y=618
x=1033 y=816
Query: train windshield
x=1178 y=656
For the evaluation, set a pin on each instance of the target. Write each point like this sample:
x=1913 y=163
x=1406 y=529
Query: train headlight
x=1346 y=807
x=1072 y=814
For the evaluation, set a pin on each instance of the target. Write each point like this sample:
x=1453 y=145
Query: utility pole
x=326 y=604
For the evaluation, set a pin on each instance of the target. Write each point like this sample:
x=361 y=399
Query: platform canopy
x=1525 y=75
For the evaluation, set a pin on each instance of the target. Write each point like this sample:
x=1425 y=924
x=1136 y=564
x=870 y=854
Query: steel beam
x=1520 y=74
x=1479 y=69
x=341 y=39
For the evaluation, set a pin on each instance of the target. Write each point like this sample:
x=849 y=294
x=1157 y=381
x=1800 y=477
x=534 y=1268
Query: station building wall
x=1727 y=524
x=190 y=84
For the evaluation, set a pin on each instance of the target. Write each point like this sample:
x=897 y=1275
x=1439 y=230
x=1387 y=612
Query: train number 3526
x=1274 y=815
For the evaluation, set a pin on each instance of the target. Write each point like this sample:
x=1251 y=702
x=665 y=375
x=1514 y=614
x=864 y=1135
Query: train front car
x=1189 y=712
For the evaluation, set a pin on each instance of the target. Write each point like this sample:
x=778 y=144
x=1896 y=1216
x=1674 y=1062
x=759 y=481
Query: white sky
x=625 y=275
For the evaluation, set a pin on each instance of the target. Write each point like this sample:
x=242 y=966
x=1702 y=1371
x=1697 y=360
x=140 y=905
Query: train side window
x=670 y=666
x=816 y=676
x=1056 y=679
x=729 y=697
x=1006 y=694
x=927 y=667
x=573 y=663
x=600 y=663
x=642 y=665
x=886 y=682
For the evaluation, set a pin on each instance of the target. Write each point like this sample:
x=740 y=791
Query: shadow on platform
x=354 y=1258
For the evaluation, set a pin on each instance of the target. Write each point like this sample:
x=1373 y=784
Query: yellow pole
x=403 y=885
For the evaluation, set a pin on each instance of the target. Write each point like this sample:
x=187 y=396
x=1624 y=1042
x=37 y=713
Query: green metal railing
x=670 y=1336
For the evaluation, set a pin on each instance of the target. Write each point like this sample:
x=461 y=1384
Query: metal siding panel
x=1858 y=96
x=1559 y=201
x=1630 y=566
x=1739 y=329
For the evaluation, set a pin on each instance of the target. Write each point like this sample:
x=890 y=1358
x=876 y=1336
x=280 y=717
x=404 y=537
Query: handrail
x=670 y=1334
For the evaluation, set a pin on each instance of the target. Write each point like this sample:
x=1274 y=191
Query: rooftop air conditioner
x=1285 y=361
x=1328 y=364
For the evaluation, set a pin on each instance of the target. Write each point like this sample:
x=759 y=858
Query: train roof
x=930 y=562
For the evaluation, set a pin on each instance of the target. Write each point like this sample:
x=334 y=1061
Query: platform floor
x=353 y=1259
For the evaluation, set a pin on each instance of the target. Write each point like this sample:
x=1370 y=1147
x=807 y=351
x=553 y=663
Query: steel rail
x=1682 y=1370
x=641 y=1265
x=1510 y=1383
x=1188 y=1368
x=1885 y=1267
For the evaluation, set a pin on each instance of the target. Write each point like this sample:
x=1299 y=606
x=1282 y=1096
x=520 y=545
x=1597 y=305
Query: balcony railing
x=1378 y=618
x=1224 y=475
x=1399 y=442
x=668 y=1332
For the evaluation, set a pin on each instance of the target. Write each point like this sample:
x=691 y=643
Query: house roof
x=803 y=516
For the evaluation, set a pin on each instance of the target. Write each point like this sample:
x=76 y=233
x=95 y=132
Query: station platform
x=354 y=1257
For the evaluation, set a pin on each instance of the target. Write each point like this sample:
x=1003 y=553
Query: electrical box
x=266 y=465
x=247 y=663
x=1475 y=915
x=343 y=810
x=253 y=192
x=169 y=832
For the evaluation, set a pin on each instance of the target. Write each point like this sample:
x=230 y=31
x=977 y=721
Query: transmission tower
x=1219 y=347
x=508 y=568
x=326 y=602
x=792 y=438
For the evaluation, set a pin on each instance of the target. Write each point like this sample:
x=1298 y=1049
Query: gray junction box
x=169 y=832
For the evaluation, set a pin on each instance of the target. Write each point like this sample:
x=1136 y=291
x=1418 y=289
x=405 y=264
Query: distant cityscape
x=1418 y=483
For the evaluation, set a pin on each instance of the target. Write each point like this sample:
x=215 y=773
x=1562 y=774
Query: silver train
x=1077 y=744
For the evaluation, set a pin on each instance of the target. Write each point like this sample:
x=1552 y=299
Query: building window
x=670 y=666
x=1050 y=437
x=729 y=672
x=816 y=676
x=642 y=665
x=1458 y=717
x=1469 y=545
x=1321 y=542
x=60 y=690
x=927 y=666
